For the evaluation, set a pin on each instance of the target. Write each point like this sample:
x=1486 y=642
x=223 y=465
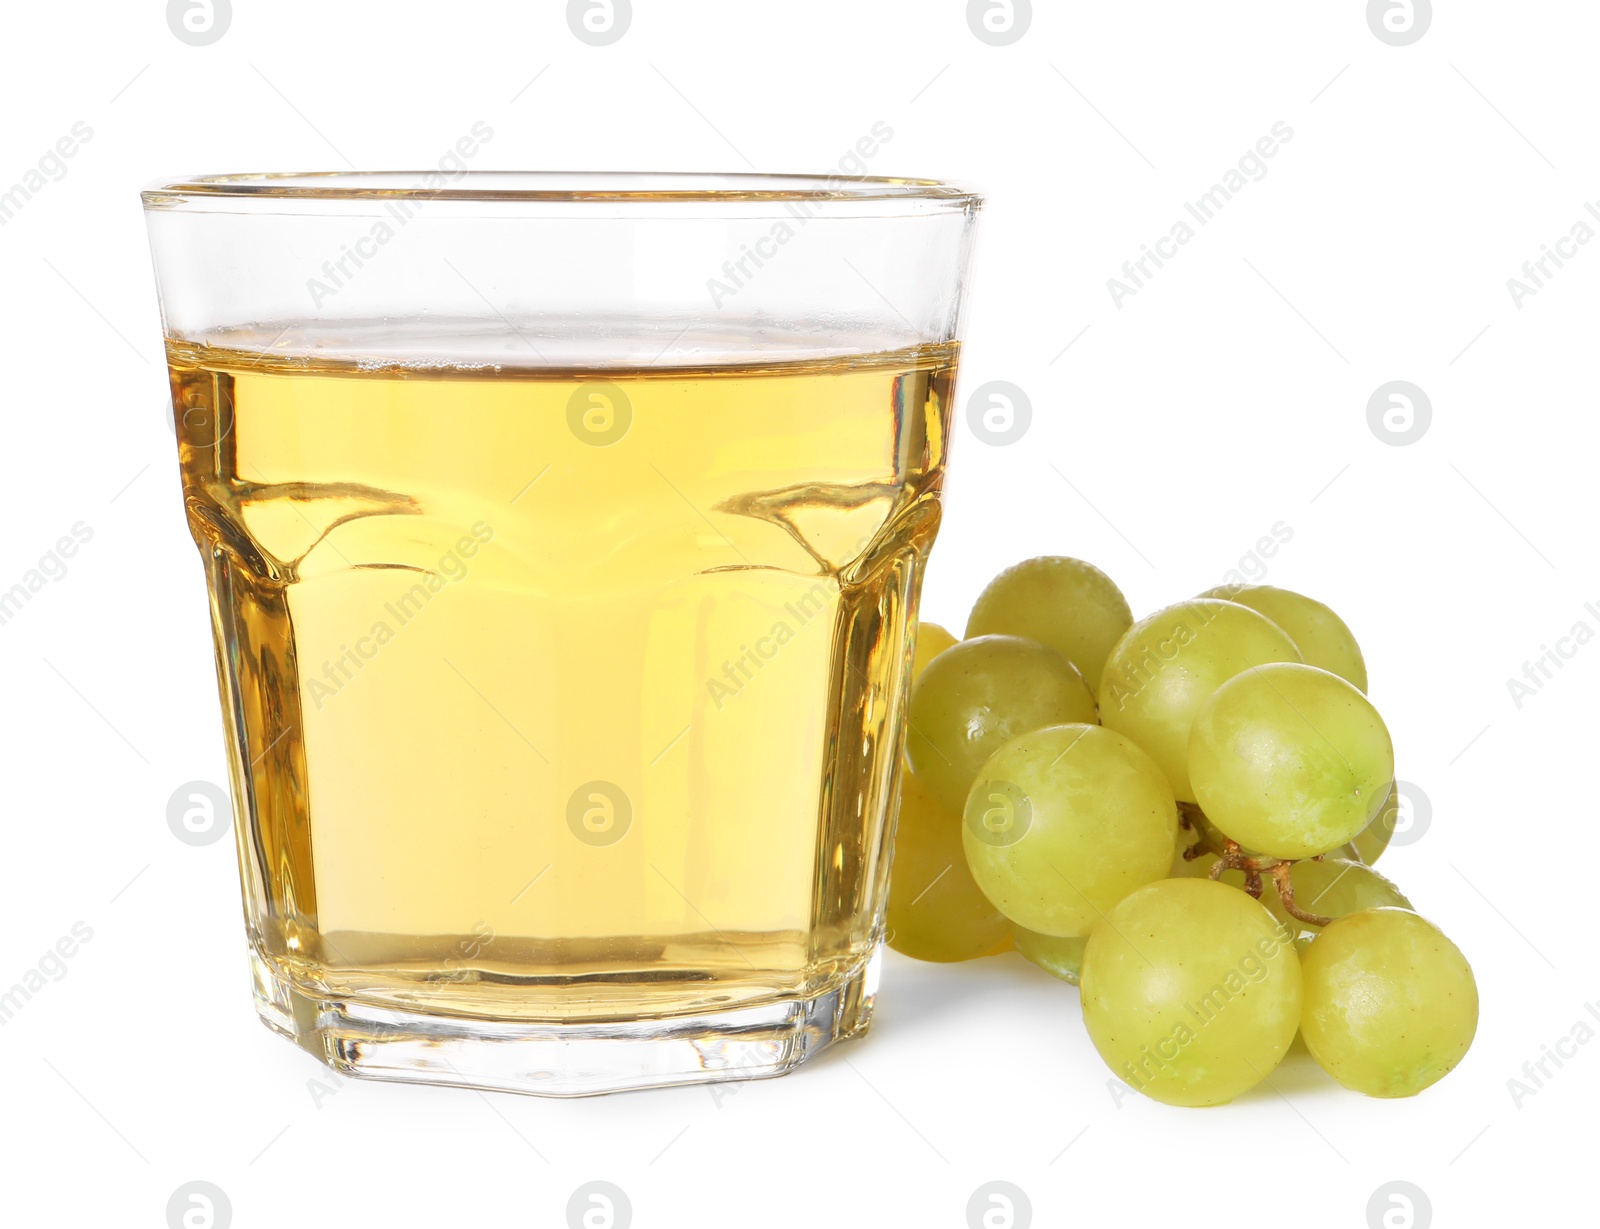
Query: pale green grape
x=1332 y=888
x=1166 y=666
x=1067 y=604
x=1057 y=956
x=1191 y=991
x=1391 y=1005
x=1320 y=635
x=1372 y=840
x=931 y=641
x=1289 y=760
x=1063 y=822
x=936 y=911
x=974 y=697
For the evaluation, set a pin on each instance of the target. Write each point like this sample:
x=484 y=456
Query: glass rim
x=569 y=187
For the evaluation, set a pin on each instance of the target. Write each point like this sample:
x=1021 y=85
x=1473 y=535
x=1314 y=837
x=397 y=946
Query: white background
x=1228 y=395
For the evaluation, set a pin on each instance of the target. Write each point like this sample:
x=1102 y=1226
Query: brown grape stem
x=1234 y=858
x=1280 y=873
x=1187 y=824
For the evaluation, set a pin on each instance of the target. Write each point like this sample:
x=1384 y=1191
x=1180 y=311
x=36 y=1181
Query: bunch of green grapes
x=1179 y=815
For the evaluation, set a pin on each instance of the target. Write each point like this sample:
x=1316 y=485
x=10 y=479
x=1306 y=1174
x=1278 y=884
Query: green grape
x=931 y=641
x=974 y=697
x=1058 y=957
x=1067 y=604
x=1372 y=840
x=1332 y=888
x=1191 y=991
x=1320 y=635
x=1063 y=822
x=1289 y=760
x=936 y=911
x=1391 y=1005
x=1165 y=667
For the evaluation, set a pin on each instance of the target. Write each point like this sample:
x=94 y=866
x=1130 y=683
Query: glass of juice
x=563 y=536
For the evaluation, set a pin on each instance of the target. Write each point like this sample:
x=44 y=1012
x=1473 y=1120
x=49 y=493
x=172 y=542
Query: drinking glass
x=563 y=536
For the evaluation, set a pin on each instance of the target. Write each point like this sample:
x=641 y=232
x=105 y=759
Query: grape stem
x=1190 y=852
x=1233 y=858
x=1280 y=873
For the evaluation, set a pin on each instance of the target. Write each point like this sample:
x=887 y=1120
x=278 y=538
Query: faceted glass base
x=565 y=1060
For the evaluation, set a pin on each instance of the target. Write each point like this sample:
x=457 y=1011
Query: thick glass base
x=565 y=1060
